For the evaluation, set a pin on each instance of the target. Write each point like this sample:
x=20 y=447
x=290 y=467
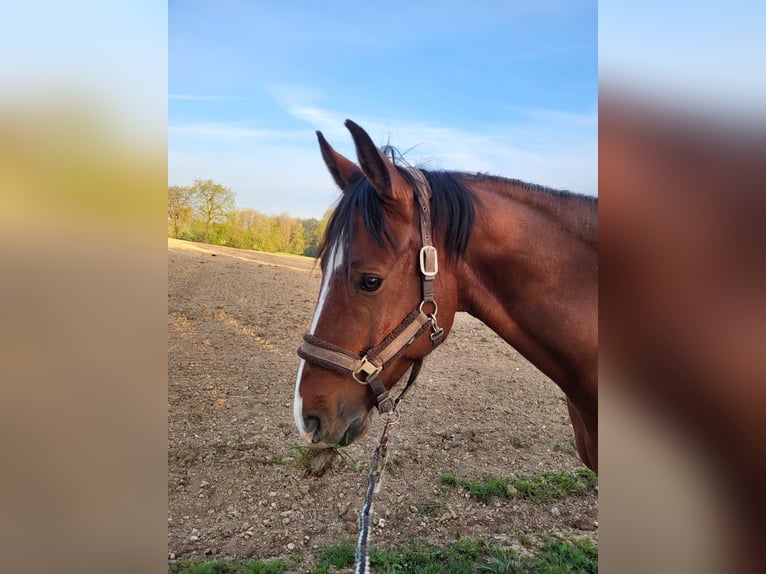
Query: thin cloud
x=291 y=94
x=201 y=98
x=550 y=147
x=558 y=117
x=235 y=131
x=317 y=117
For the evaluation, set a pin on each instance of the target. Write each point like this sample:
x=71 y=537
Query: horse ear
x=380 y=172
x=343 y=170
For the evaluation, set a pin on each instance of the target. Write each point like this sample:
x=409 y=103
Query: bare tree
x=180 y=208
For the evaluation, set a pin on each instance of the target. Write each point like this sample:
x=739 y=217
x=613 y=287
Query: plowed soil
x=237 y=481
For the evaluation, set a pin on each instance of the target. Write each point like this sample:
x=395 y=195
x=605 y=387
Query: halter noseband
x=366 y=369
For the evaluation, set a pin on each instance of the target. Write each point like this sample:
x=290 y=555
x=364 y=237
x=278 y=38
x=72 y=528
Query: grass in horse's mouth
x=317 y=461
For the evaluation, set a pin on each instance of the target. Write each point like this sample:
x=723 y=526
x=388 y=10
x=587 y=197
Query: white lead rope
x=362 y=565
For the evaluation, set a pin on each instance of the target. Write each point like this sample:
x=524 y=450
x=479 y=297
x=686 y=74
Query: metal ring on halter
x=436 y=307
x=391 y=417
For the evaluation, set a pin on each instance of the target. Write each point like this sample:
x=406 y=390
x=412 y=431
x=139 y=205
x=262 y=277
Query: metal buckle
x=386 y=405
x=437 y=335
x=428 y=255
x=368 y=368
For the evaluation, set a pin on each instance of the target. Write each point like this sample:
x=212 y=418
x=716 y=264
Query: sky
x=701 y=55
x=506 y=88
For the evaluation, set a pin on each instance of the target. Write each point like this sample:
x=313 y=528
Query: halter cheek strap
x=366 y=369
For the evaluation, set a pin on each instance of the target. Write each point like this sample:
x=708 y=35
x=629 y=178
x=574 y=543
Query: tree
x=213 y=202
x=320 y=229
x=285 y=224
x=180 y=208
x=297 y=244
x=310 y=239
x=259 y=231
x=229 y=232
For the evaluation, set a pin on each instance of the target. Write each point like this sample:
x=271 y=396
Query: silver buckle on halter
x=386 y=404
x=368 y=368
x=429 y=262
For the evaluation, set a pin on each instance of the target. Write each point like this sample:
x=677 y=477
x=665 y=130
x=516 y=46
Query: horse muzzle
x=323 y=434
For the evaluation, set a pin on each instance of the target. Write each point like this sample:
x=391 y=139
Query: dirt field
x=236 y=487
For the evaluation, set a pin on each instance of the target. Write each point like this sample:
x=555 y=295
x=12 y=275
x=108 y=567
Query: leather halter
x=366 y=369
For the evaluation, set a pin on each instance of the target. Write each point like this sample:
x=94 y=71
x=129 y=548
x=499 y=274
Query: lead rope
x=429 y=267
x=379 y=458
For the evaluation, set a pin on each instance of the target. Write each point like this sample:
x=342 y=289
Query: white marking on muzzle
x=335 y=258
x=298 y=405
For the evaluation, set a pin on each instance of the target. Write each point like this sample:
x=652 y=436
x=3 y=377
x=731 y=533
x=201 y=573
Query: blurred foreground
x=682 y=339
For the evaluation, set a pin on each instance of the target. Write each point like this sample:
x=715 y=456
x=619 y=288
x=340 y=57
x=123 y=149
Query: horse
x=407 y=248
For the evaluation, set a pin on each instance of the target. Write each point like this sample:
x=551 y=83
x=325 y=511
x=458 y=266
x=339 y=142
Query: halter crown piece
x=366 y=369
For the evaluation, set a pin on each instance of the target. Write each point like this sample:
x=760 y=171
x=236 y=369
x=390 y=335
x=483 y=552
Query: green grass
x=554 y=485
x=541 y=488
x=556 y=556
x=341 y=555
x=300 y=456
x=506 y=562
x=567 y=446
x=297 y=453
x=465 y=556
x=561 y=557
x=432 y=509
x=349 y=460
x=524 y=540
x=422 y=558
x=482 y=490
x=196 y=566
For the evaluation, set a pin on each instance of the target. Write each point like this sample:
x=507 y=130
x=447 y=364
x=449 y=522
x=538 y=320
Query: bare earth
x=236 y=485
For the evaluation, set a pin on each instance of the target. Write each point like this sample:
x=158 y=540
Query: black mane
x=452 y=208
x=452 y=212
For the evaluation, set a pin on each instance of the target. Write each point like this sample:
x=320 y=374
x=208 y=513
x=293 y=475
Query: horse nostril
x=311 y=424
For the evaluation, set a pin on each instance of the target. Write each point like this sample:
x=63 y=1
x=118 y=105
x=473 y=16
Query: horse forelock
x=361 y=199
x=452 y=211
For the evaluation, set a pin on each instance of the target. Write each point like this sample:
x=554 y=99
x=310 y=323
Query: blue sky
x=696 y=54
x=508 y=88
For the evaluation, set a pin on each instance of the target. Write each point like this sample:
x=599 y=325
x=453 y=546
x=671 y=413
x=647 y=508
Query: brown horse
x=406 y=246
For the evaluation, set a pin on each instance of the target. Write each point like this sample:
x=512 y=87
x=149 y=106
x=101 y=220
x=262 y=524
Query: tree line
x=206 y=211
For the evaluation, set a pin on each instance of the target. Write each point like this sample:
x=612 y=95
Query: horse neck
x=530 y=274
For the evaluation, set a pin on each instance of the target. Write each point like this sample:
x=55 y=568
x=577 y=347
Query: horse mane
x=452 y=208
x=452 y=211
x=577 y=213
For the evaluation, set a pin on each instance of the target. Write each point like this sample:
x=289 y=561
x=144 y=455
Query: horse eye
x=370 y=283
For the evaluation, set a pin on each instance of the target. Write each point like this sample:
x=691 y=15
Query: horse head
x=376 y=312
